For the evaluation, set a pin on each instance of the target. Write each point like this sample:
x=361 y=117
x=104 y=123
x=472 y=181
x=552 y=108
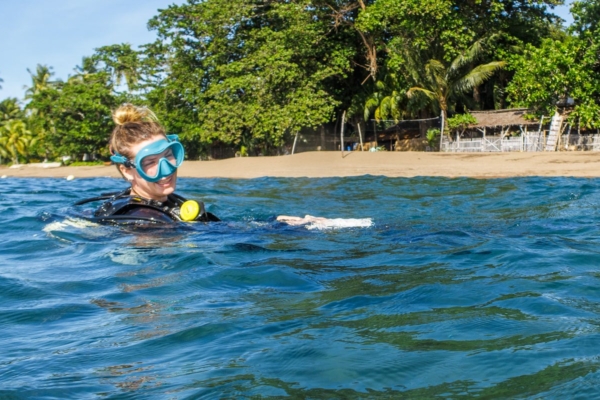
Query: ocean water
x=461 y=288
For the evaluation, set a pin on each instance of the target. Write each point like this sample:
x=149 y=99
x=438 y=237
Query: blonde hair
x=134 y=125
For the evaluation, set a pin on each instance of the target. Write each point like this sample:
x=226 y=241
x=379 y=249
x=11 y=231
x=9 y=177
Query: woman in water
x=148 y=159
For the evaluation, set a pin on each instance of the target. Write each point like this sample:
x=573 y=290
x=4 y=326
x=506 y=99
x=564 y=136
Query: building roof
x=507 y=117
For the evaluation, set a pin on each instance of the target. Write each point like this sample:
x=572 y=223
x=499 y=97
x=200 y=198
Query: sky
x=60 y=33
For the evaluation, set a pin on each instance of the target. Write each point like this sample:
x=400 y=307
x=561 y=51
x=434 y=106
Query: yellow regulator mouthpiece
x=189 y=210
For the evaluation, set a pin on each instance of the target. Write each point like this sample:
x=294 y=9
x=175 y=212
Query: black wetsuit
x=122 y=207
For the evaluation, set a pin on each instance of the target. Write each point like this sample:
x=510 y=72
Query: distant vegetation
x=250 y=75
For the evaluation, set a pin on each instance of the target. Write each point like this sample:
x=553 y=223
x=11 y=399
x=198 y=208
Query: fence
x=392 y=135
x=383 y=133
x=534 y=141
x=487 y=144
x=580 y=142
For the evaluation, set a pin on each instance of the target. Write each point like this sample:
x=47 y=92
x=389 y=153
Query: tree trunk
x=15 y=155
x=445 y=123
x=477 y=98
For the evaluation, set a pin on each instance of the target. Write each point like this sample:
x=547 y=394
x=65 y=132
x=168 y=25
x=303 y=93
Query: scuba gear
x=124 y=208
x=157 y=160
x=189 y=210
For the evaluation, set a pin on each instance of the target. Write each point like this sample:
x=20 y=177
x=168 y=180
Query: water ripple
x=461 y=288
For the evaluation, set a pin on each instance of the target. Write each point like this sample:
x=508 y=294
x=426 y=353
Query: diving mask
x=157 y=160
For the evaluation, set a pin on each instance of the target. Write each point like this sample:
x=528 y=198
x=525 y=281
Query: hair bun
x=130 y=113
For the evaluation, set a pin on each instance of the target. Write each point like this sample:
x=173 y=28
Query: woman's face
x=150 y=190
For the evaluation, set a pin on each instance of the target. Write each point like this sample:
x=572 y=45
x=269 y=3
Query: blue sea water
x=461 y=288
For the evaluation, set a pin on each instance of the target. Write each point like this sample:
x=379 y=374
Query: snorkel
x=157 y=160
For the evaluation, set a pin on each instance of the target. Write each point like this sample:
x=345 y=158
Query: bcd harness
x=122 y=207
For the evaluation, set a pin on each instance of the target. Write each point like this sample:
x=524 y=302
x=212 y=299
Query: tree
x=586 y=14
x=10 y=109
x=11 y=128
x=253 y=73
x=244 y=74
x=443 y=84
x=15 y=140
x=460 y=122
x=83 y=116
x=121 y=62
x=408 y=31
x=556 y=69
x=42 y=95
x=40 y=80
x=74 y=117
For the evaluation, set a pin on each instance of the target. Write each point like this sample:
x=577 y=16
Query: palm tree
x=122 y=62
x=441 y=84
x=15 y=140
x=9 y=109
x=40 y=121
x=40 y=80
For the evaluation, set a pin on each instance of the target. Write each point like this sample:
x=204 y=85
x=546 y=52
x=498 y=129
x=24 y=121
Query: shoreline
x=322 y=164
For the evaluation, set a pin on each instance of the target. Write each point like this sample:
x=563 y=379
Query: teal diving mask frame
x=164 y=166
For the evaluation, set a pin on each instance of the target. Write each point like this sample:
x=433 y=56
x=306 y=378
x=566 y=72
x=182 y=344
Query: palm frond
x=414 y=91
x=477 y=76
x=385 y=107
x=434 y=73
x=377 y=115
x=371 y=104
x=469 y=56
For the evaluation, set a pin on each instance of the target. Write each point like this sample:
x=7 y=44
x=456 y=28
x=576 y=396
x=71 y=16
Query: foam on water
x=67 y=223
x=340 y=223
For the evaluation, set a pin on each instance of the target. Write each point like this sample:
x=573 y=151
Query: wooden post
x=342 y=132
x=540 y=135
x=295 y=140
x=360 y=137
x=375 y=130
x=579 y=147
x=442 y=130
x=337 y=121
x=483 y=144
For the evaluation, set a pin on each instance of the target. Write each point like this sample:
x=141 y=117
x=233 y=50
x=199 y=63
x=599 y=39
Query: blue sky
x=60 y=33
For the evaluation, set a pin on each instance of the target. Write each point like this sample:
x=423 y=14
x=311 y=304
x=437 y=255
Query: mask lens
x=149 y=163
x=159 y=160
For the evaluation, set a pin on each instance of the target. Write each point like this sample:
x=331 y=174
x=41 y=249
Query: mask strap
x=119 y=159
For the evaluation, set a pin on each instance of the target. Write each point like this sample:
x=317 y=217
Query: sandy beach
x=332 y=164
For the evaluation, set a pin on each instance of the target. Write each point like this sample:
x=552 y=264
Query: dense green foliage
x=555 y=70
x=250 y=74
x=461 y=122
x=247 y=74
